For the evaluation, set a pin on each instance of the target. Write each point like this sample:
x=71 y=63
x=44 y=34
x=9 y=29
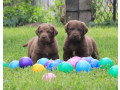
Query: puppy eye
x=40 y=31
x=80 y=30
x=48 y=32
x=71 y=28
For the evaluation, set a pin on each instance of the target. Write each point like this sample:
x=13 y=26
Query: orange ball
x=38 y=68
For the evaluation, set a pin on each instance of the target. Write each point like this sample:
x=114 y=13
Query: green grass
x=22 y=79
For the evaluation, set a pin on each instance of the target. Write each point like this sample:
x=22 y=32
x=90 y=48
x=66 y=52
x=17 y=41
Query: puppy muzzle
x=75 y=37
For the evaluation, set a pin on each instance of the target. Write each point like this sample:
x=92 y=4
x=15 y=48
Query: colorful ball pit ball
x=49 y=76
x=38 y=68
x=86 y=59
x=94 y=63
x=74 y=60
x=52 y=66
x=47 y=63
x=105 y=63
x=83 y=65
x=114 y=71
x=58 y=60
x=25 y=61
x=42 y=61
x=5 y=64
x=90 y=58
x=14 y=64
x=65 y=67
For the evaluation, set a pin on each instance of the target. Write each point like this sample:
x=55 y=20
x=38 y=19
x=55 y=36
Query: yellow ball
x=38 y=67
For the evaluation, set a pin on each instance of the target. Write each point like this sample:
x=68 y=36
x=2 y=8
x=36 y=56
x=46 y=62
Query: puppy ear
x=37 y=30
x=66 y=26
x=85 y=28
x=55 y=30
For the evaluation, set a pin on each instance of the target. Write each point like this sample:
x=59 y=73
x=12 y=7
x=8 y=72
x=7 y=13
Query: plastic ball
x=105 y=63
x=83 y=65
x=74 y=60
x=25 y=61
x=86 y=59
x=5 y=64
x=58 y=60
x=52 y=65
x=14 y=64
x=65 y=67
x=38 y=68
x=114 y=71
x=42 y=61
x=94 y=63
x=49 y=76
x=48 y=62
x=90 y=58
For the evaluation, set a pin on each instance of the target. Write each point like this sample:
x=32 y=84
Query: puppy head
x=46 y=32
x=76 y=30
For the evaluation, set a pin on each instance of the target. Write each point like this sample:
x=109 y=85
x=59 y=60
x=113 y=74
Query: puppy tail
x=25 y=45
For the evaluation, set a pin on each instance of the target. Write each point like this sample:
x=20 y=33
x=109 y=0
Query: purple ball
x=25 y=61
x=86 y=59
x=46 y=64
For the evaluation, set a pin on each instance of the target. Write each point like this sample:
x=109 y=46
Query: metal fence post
x=114 y=10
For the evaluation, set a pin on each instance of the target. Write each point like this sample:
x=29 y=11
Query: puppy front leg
x=34 y=58
x=67 y=54
x=55 y=56
x=95 y=55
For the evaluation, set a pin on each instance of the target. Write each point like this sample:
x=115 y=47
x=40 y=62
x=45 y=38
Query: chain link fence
x=104 y=11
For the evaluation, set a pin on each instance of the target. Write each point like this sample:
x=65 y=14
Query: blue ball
x=83 y=65
x=14 y=64
x=42 y=61
x=90 y=58
x=58 y=60
x=94 y=63
x=53 y=65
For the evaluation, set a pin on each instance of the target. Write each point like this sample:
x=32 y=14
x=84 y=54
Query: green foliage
x=58 y=8
x=54 y=13
x=102 y=12
x=17 y=14
x=21 y=12
x=37 y=15
x=24 y=79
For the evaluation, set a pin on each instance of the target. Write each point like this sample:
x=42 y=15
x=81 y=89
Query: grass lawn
x=24 y=79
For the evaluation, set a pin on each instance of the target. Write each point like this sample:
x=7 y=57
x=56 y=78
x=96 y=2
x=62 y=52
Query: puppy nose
x=75 y=36
x=43 y=37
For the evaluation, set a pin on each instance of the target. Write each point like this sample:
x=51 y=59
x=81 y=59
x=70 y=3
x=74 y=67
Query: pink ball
x=74 y=60
x=49 y=76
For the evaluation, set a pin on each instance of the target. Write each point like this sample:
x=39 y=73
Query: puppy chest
x=47 y=50
x=74 y=47
x=78 y=49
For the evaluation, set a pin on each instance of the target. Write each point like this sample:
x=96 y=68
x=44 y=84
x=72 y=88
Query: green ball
x=114 y=71
x=105 y=63
x=5 y=64
x=65 y=67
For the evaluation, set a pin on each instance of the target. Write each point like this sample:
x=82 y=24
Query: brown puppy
x=77 y=43
x=44 y=45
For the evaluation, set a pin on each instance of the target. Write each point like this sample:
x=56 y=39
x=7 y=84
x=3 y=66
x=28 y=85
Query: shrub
x=21 y=12
x=17 y=14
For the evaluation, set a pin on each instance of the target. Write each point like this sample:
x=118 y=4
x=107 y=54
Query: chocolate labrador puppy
x=45 y=44
x=77 y=43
